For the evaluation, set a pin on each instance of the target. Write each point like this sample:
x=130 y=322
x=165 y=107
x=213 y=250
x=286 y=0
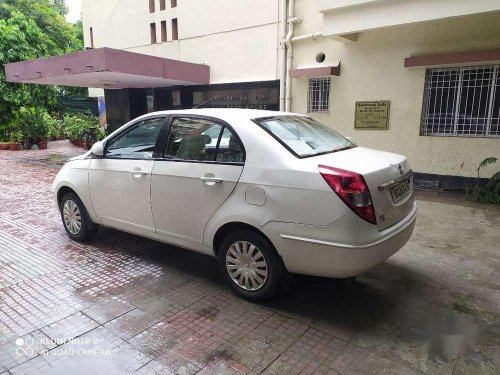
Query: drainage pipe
x=289 y=54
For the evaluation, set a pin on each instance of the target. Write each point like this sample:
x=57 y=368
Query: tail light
x=352 y=189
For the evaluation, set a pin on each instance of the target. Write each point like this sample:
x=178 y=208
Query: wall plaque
x=372 y=115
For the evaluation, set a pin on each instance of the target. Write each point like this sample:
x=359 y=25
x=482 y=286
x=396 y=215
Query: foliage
x=4 y=132
x=82 y=127
x=34 y=123
x=60 y=7
x=59 y=36
x=489 y=193
x=30 y=29
x=17 y=136
x=485 y=162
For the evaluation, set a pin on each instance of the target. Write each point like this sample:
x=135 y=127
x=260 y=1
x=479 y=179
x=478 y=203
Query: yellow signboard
x=372 y=115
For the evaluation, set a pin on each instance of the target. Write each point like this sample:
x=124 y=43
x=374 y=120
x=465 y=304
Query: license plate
x=400 y=190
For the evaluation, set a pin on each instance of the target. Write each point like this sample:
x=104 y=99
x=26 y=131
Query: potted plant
x=4 y=136
x=47 y=129
x=16 y=138
x=42 y=144
x=4 y=145
x=35 y=124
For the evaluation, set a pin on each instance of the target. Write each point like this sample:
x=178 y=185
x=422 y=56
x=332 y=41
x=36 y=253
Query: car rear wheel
x=250 y=265
x=75 y=218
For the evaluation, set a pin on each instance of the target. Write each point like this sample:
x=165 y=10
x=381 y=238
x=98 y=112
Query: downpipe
x=282 y=52
x=286 y=51
x=292 y=20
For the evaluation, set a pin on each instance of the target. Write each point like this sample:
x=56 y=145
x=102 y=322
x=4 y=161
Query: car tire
x=75 y=218
x=250 y=265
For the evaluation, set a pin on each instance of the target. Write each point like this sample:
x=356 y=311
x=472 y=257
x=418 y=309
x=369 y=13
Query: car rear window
x=304 y=136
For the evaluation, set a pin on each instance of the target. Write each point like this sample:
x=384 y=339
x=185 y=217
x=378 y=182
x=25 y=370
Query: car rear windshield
x=304 y=136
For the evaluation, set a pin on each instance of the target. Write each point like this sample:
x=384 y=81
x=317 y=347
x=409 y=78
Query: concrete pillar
x=117 y=108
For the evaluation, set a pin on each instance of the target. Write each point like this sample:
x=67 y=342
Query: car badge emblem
x=400 y=169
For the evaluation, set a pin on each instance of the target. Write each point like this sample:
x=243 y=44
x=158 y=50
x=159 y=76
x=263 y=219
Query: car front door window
x=138 y=142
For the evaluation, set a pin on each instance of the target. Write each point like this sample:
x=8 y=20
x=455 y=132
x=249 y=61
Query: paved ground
x=125 y=304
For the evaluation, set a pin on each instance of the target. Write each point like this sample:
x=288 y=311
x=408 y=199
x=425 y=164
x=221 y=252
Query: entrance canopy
x=108 y=68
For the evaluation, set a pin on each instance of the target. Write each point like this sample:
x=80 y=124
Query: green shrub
x=80 y=127
x=52 y=125
x=4 y=132
x=17 y=136
x=489 y=193
x=35 y=124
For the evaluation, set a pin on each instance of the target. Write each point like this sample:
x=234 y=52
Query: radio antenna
x=206 y=101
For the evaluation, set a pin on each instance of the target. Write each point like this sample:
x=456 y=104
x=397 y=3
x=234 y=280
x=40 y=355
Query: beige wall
x=373 y=69
x=237 y=39
x=352 y=16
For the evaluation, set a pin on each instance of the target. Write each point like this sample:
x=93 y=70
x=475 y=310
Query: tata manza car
x=265 y=192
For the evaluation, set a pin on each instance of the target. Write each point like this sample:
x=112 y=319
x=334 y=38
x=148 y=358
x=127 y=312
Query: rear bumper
x=318 y=256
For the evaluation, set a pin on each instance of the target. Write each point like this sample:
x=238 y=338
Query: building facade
x=436 y=62
x=417 y=77
x=238 y=40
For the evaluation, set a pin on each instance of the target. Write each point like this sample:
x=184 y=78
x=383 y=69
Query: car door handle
x=137 y=173
x=210 y=180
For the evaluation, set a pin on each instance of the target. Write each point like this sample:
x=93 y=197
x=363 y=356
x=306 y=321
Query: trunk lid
x=387 y=175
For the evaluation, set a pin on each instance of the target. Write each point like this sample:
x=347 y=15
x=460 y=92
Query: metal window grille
x=462 y=102
x=318 y=98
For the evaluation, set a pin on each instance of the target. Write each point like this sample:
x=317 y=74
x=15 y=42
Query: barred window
x=463 y=102
x=318 y=98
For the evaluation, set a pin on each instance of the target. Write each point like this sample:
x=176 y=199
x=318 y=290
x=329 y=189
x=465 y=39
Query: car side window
x=230 y=150
x=138 y=142
x=193 y=139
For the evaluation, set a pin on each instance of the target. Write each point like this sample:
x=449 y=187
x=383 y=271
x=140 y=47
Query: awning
x=108 y=68
x=321 y=71
x=454 y=58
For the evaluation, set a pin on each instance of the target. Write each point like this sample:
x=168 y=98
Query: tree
x=60 y=7
x=30 y=29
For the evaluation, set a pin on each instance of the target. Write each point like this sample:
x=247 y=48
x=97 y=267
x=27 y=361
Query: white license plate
x=400 y=190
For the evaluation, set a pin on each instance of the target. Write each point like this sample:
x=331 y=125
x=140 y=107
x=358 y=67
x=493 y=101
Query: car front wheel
x=250 y=265
x=75 y=218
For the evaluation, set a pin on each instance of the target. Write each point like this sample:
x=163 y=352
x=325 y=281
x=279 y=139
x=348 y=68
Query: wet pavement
x=124 y=304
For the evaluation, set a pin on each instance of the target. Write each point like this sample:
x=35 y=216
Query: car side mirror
x=97 y=149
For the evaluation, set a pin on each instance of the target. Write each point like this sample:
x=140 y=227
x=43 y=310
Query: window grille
x=463 y=102
x=318 y=98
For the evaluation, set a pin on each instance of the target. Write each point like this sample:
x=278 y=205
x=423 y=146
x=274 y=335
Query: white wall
x=373 y=69
x=238 y=39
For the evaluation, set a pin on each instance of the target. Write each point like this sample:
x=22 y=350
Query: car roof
x=226 y=114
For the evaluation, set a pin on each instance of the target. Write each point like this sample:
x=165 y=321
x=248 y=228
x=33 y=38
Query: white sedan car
x=265 y=192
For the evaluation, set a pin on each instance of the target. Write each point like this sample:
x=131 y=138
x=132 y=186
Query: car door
x=120 y=181
x=201 y=165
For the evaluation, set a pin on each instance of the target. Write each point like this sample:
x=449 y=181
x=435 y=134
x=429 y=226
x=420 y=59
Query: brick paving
x=123 y=304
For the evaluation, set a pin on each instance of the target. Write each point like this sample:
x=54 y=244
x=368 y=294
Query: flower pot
x=14 y=146
x=42 y=145
x=4 y=146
